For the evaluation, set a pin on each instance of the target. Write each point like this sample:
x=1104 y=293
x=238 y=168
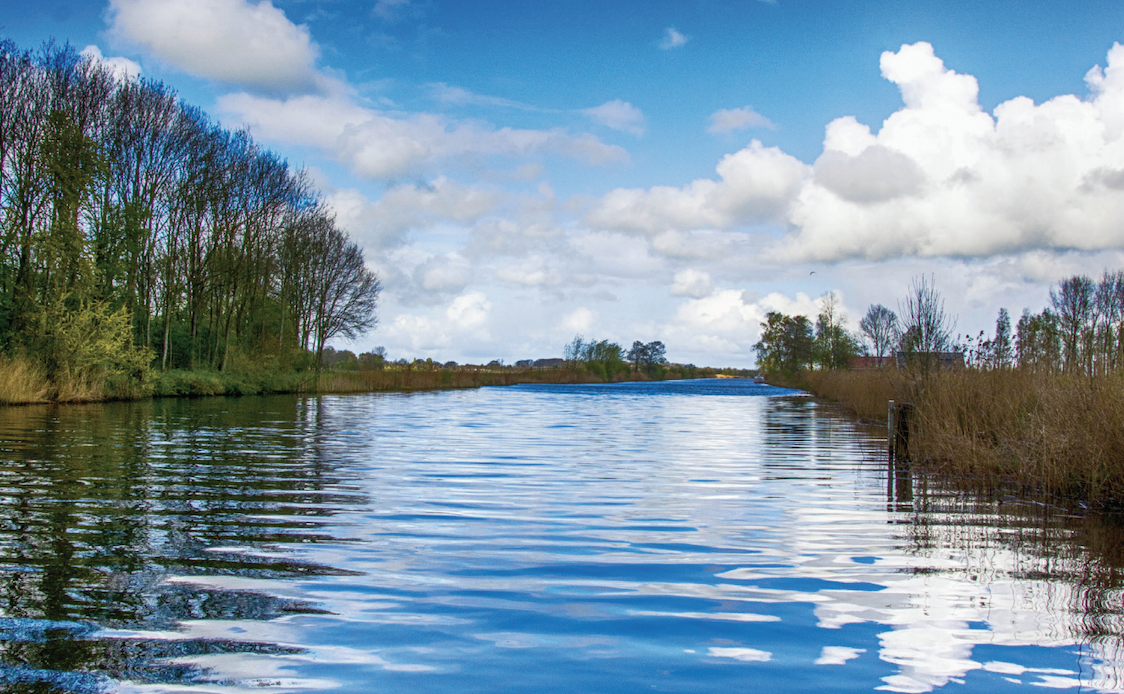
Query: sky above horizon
x=519 y=173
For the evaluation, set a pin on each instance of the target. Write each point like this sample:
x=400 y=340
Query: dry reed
x=439 y=379
x=1012 y=430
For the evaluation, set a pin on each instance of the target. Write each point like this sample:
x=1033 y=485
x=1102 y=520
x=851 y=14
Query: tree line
x=790 y=344
x=607 y=359
x=1081 y=331
x=136 y=232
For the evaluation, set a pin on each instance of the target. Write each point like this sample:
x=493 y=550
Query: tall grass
x=22 y=382
x=1004 y=430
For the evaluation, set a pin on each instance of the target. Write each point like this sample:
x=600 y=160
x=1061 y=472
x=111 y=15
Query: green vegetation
x=606 y=361
x=142 y=244
x=790 y=344
x=650 y=358
x=603 y=359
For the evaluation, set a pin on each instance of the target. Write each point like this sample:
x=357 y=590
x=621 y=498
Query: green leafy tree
x=603 y=358
x=647 y=357
x=1038 y=342
x=786 y=343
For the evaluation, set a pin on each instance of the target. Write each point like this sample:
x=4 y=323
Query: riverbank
x=1001 y=431
x=22 y=382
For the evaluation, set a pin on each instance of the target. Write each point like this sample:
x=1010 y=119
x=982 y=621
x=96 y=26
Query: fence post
x=890 y=430
x=903 y=424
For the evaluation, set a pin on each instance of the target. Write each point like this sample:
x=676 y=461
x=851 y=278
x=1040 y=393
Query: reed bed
x=1057 y=435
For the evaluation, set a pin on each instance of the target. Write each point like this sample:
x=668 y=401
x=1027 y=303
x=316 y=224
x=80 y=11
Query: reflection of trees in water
x=787 y=430
x=99 y=504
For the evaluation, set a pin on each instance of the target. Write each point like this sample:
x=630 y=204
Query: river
x=694 y=536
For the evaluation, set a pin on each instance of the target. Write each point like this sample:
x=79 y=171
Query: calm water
x=692 y=537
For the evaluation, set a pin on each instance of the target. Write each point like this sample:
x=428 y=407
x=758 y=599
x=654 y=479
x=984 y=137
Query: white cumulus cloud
x=253 y=46
x=387 y=222
x=470 y=312
x=579 y=320
x=945 y=178
x=534 y=271
x=756 y=184
x=941 y=177
x=725 y=324
x=693 y=283
x=122 y=68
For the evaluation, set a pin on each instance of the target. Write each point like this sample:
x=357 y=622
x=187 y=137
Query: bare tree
x=880 y=328
x=1074 y=302
x=1110 y=307
x=927 y=329
x=347 y=292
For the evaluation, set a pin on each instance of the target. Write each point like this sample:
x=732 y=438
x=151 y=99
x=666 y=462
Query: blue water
x=699 y=536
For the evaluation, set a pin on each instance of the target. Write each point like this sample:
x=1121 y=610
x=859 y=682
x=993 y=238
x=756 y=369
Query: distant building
x=548 y=363
x=936 y=360
x=450 y=365
x=525 y=363
x=863 y=363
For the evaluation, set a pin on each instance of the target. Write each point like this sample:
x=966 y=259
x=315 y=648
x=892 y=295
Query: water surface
x=705 y=536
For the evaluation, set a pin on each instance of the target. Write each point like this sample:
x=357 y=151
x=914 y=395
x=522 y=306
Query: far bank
x=22 y=381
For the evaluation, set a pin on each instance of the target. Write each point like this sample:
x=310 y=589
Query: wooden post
x=903 y=423
x=890 y=430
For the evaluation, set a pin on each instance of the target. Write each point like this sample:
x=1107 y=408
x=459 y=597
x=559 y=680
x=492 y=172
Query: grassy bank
x=1057 y=435
x=23 y=382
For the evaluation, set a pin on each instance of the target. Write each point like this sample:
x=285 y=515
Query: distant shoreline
x=26 y=387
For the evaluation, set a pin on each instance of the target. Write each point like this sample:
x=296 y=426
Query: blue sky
x=519 y=172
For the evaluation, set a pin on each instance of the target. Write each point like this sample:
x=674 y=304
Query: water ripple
x=689 y=536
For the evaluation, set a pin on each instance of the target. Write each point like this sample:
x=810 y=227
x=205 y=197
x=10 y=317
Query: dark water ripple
x=695 y=537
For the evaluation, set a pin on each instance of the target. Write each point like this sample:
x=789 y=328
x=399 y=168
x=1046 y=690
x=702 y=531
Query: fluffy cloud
x=386 y=222
x=499 y=236
x=469 y=314
x=122 y=68
x=730 y=119
x=756 y=184
x=380 y=146
x=693 y=283
x=673 y=39
x=694 y=245
x=254 y=46
x=534 y=271
x=616 y=255
x=463 y=322
x=579 y=320
x=441 y=274
x=727 y=323
x=942 y=177
x=618 y=115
